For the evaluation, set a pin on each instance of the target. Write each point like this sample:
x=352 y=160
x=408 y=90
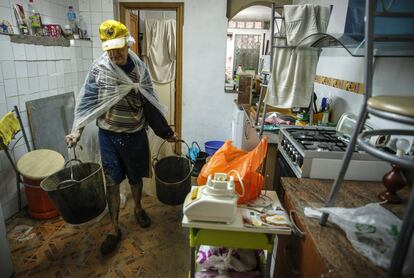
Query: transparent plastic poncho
x=106 y=84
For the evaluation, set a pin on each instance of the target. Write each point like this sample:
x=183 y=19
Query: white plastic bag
x=223 y=259
x=371 y=229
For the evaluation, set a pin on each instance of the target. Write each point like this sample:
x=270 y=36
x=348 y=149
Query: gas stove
x=316 y=152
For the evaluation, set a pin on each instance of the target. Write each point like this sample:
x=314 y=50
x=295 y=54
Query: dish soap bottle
x=394 y=180
x=72 y=21
x=35 y=20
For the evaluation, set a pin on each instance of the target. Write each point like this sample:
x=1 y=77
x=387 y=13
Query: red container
x=34 y=167
x=39 y=204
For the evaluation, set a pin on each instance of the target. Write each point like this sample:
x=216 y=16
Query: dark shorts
x=124 y=154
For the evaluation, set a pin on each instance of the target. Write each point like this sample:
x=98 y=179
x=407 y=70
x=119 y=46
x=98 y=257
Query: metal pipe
x=272 y=33
x=369 y=31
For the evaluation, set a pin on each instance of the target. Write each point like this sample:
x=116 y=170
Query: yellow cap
x=113 y=34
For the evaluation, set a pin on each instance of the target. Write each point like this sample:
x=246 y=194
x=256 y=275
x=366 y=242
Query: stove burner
x=318 y=140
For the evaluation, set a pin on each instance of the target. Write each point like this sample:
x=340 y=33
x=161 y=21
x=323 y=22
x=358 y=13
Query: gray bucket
x=80 y=199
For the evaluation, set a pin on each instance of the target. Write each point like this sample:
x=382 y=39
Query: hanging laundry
x=159 y=49
x=304 y=20
x=294 y=69
x=293 y=74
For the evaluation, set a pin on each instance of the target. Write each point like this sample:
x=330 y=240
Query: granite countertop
x=331 y=243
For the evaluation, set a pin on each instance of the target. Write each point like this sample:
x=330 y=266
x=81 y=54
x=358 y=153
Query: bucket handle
x=72 y=160
x=195 y=143
x=155 y=159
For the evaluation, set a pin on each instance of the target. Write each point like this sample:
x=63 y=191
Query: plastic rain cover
x=106 y=84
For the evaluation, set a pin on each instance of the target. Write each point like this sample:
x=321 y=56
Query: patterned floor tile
x=59 y=249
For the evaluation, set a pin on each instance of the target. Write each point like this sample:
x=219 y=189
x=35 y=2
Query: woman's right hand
x=72 y=138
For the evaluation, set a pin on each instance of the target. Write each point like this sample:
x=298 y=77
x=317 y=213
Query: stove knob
x=294 y=156
x=299 y=159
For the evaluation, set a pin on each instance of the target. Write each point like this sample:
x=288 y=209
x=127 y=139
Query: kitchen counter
x=334 y=249
x=273 y=136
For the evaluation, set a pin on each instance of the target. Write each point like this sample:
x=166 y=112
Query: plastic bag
x=371 y=229
x=247 y=164
x=223 y=259
x=106 y=84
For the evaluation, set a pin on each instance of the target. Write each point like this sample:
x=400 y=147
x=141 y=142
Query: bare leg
x=113 y=199
x=136 y=190
x=143 y=220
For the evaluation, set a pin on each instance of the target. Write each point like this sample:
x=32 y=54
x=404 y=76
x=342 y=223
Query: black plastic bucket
x=78 y=199
x=172 y=178
x=199 y=163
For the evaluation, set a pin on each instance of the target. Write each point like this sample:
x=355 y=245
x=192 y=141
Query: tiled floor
x=54 y=248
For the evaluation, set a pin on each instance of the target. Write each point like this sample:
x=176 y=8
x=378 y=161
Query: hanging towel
x=293 y=74
x=160 y=49
x=9 y=125
x=304 y=20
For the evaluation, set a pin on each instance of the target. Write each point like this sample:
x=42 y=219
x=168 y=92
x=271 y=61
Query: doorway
x=172 y=91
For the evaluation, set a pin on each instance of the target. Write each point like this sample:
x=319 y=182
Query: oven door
x=282 y=170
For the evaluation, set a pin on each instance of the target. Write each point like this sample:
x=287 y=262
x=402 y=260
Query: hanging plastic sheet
x=106 y=84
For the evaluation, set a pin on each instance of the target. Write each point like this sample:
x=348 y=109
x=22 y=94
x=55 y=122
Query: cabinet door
x=298 y=256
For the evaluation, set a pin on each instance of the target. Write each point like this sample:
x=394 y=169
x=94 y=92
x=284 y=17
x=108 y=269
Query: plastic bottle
x=72 y=20
x=35 y=20
x=83 y=33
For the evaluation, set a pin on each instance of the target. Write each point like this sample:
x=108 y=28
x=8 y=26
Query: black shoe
x=110 y=243
x=143 y=219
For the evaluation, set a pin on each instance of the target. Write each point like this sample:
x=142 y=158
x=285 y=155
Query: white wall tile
x=58 y=52
x=86 y=65
x=107 y=15
x=96 y=5
x=107 y=6
x=30 y=52
x=21 y=68
x=96 y=18
x=1 y=75
x=10 y=87
x=95 y=31
x=59 y=67
x=22 y=102
x=50 y=53
x=52 y=82
x=60 y=80
x=11 y=102
x=23 y=85
x=66 y=52
x=43 y=83
x=5 y=13
x=51 y=67
x=6 y=52
x=78 y=53
x=32 y=69
x=40 y=52
x=84 y=5
x=34 y=84
x=42 y=68
x=2 y=97
x=96 y=43
x=86 y=17
x=19 y=52
x=8 y=68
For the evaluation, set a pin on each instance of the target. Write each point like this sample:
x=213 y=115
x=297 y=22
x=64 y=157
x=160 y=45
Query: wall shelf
x=40 y=40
